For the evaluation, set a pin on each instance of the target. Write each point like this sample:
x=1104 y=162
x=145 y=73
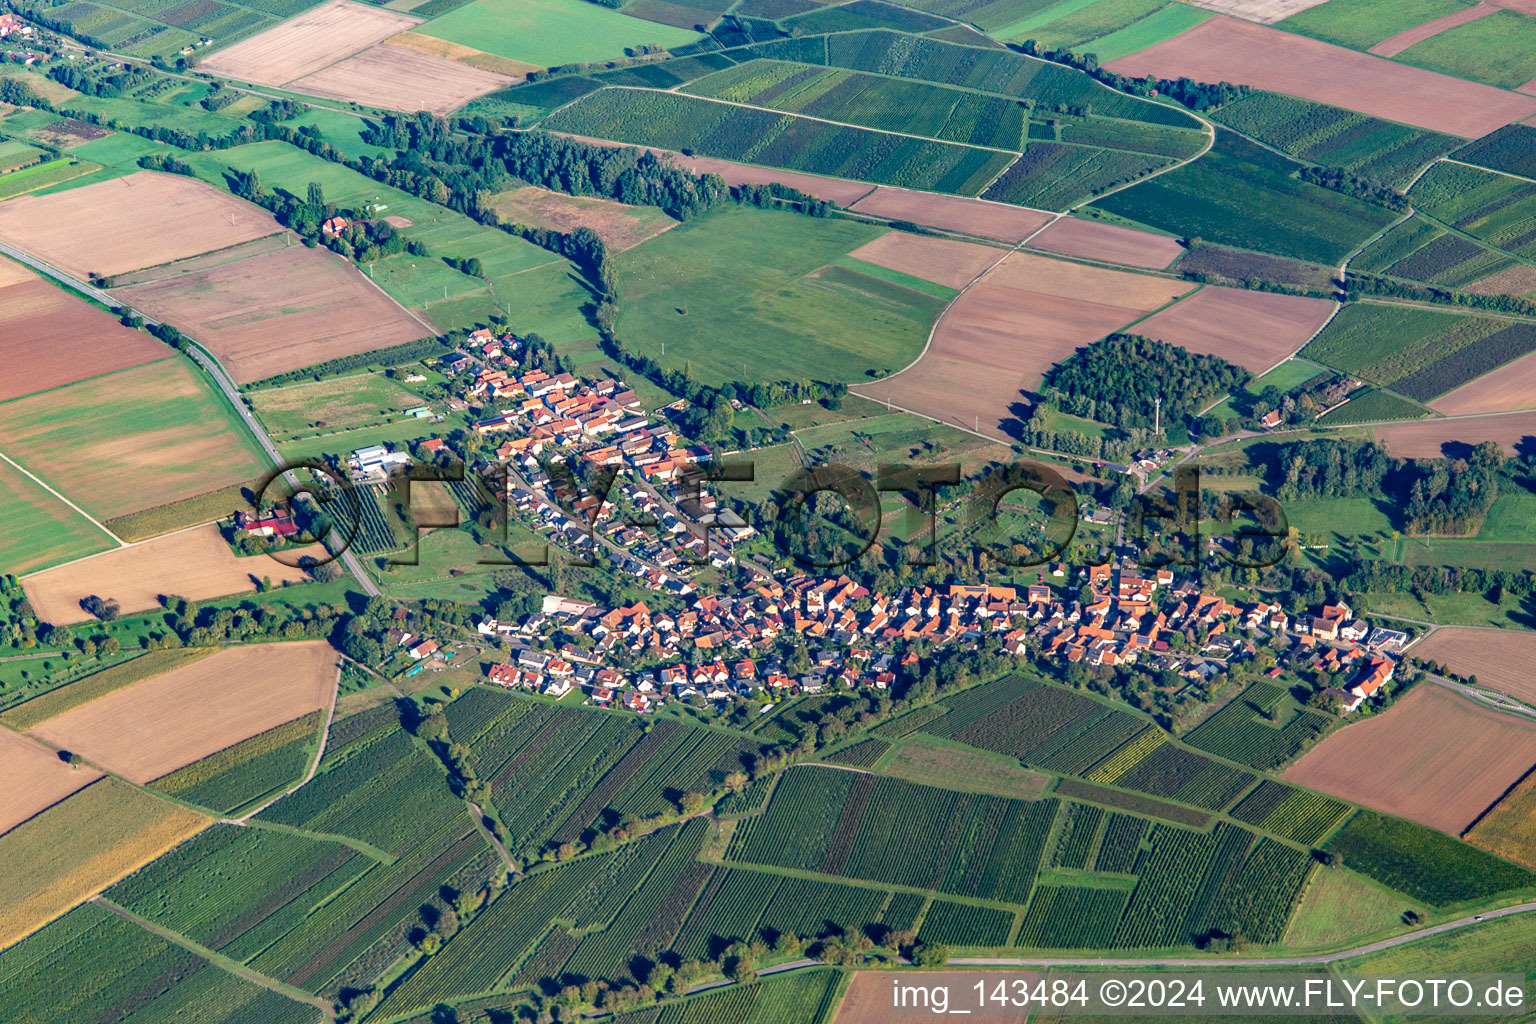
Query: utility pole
x=1157 y=421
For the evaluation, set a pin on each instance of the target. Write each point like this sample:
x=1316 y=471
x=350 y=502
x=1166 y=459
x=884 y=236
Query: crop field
x=941 y=260
x=784 y=301
x=396 y=78
x=338 y=403
x=1495 y=658
x=619 y=225
x=1087 y=239
x=1072 y=917
x=1418 y=773
x=95 y=963
x=1510 y=388
x=1002 y=221
x=238 y=775
x=672 y=121
x=1183 y=775
x=1295 y=814
x=195 y=564
x=1495 y=49
x=1255 y=330
x=1425 y=864
x=40 y=529
x=152 y=728
x=1160 y=25
x=833 y=190
x=80 y=846
x=1508 y=828
x=129 y=223
x=1361 y=24
x=1417 y=250
x=1512 y=149
x=1242 y=195
x=546 y=33
x=998 y=339
x=303 y=45
x=1492 y=207
x=277 y=311
x=157 y=425
x=1250 y=731
x=38 y=779
x=1070 y=25
x=1229 y=50
x=1335 y=137
x=1395 y=45
x=971 y=771
x=1053 y=176
x=58 y=338
x=741 y=905
x=961 y=924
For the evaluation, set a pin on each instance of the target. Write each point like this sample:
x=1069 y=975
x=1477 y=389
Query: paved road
x=1273 y=961
x=215 y=370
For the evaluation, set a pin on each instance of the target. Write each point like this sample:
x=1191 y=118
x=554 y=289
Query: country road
x=215 y=370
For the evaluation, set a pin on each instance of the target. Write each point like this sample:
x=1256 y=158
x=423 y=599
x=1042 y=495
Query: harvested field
x=1255 y=330
x=129 y=223
x=36 y=779
x=1266 y=12
x=1430 y=439
x=1499 y=658
x=401 y=79
x=1400 y=42
x=195 y=564
x=1517 y=280
x=1225 y=49
x=1509 y=388
x=834 y=190
x=51 y=338
x=461 y=54
x=940 y=260
x=1412 y=760
x=1002 y=221
x=1092 y=240
x=155 y=727
x=133 y=440
x=998 y=339
x=278 y=311
x=619 y=225
x=868 y=999
x=78 y=847
x=1509 y=827
x=301 y=46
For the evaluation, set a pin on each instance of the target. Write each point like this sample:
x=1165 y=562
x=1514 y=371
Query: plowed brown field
x=998 y=339
x=940 y=260
x=301 y=46
x=1091 y=240
x=1255 y=330
x=35 y=779
x=128 y=223
x=278 y=311
x=954 y=213
x=152 y=728
x=1509 y=388
x=195 y=564
x=1224 y=49
x=1500 y=658
x=400 y=79
x=48 y=339
x=1426 y=439
x=1416 y=759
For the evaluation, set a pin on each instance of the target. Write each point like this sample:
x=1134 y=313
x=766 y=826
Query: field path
x=314 y=762
x=44 y=485
x=1273 y=961
x=218 y=960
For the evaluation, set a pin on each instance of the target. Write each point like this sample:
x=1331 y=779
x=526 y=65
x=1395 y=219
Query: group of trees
x=103 y=84
x=1120 y=379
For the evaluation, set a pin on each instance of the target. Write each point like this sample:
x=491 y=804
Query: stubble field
x=155 y=727
x=36 y=779
x=1510 y=387
x=278 y=311
x=131 y=440
x=619 y=225
x=195 y=564
x=1255 y=330
x=1429 y=439
x=129 y=223
x=303 y=45
x=401 y=79
x=1225 y=49
x=1499 y=658
x=1002 y=221
x=1415 y=759
x=940 y=260
x=1092 y=240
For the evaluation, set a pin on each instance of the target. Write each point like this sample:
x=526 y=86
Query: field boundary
x=43 y=484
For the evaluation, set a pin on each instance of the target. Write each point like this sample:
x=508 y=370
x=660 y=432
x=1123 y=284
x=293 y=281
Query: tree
x=736 y=781
x=930 y=954
x=691 y=802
